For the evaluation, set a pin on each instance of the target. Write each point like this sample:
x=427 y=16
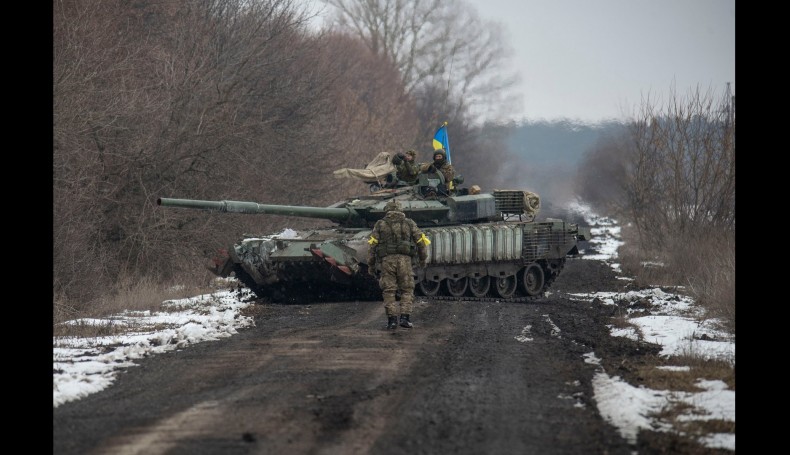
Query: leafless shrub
x=671 y=181
x=707 y=262
x=681 y=168
x=703 y=265
x=212 y=99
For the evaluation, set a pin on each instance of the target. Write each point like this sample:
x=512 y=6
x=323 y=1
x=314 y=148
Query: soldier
x=395 y=240
x=406 y=168
x=441 y=165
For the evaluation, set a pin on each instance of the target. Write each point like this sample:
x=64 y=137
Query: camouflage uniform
x=393 y=242
x=444 y=167
x=408 y=170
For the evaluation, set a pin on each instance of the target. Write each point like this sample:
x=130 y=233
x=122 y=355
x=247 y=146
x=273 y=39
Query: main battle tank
x=485 y=245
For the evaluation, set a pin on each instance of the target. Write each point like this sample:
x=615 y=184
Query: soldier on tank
x=407 y=169
x=440 y=164
x=444 y=170
x=395 y=240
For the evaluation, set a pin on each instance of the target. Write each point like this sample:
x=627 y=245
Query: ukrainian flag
x=440 y=140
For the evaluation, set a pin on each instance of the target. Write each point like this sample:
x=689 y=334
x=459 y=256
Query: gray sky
x=597 y=59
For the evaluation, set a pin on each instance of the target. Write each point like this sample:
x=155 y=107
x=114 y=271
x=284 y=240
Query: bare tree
x=454 y=68
x=443 y=51
x=672 y=172
x=682 y=169
x=213 y=99
x=671 y=177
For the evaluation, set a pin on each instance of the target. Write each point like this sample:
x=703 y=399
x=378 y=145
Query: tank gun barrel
x=328 y=213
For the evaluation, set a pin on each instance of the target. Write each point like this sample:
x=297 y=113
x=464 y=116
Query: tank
x=483 y=245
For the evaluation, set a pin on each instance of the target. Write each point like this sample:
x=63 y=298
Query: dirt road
x=470 y=378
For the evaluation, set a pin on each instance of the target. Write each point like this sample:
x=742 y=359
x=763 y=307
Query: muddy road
x=469 y=378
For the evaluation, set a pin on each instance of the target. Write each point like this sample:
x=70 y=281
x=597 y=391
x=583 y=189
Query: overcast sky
x=592 y=60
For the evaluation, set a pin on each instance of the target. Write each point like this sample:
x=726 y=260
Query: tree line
x=250 y=100
x=246 y=100
x=671 y=176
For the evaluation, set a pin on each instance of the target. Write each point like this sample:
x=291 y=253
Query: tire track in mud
x=328 y=378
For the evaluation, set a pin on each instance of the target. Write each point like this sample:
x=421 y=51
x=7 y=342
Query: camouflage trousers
x=397 y=276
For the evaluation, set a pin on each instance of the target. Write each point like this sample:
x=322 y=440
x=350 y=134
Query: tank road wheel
x=531 y=281
x=479 y=287
x=505 y=287
x=457 y=288
x=428 y=288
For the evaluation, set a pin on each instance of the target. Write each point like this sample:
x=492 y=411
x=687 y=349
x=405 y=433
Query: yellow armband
x=424 y=240
x=372 y=240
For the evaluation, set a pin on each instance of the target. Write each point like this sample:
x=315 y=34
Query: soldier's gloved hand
x=432 y=169
x=398 y=159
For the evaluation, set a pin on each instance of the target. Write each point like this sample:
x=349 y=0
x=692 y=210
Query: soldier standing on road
x=394 y=242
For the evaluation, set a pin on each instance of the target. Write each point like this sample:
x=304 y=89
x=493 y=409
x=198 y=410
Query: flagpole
x=447 y=138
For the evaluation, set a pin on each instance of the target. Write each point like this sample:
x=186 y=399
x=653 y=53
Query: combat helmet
x=392 y=206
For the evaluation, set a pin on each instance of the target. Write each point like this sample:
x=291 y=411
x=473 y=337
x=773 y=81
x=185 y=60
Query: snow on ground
x=83 y=366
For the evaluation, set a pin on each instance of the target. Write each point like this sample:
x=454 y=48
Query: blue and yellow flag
x=440 y=140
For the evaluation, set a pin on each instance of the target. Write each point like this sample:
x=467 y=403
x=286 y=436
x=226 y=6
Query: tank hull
x=482 y=245
x=502 y=260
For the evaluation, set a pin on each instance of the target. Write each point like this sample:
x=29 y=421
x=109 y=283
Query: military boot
x=404 y=321
x=392 y=322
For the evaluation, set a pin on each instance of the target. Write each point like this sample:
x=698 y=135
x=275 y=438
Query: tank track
x=518 y=299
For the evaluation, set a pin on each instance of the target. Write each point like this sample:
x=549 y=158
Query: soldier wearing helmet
x=441 y=165
x=407 y=169
x=394 y=242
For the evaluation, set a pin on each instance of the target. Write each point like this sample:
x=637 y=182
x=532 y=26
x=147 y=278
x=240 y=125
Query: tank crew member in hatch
x=440 y=165
x=394 y=241
x=407 y=169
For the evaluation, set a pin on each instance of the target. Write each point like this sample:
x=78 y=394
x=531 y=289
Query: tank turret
x=483 y=245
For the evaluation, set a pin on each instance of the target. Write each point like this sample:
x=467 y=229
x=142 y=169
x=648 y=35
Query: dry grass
x=676 y=414
x=686 y=379
x=702 y=266
x=687 y=425
x=82 y=320
x=646 y=266
x=709 y=266
x=621 y=321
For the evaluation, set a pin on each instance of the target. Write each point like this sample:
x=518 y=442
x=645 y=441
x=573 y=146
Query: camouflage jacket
x=408 y=171
x=396 y=234
x=449 y=173
x=447 y=170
